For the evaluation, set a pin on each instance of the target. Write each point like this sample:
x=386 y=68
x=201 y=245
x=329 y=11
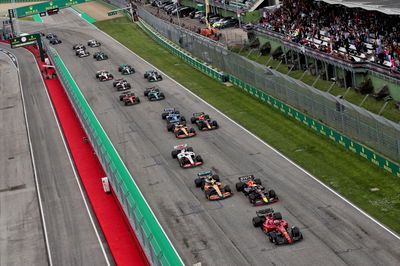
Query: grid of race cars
x=270 y=222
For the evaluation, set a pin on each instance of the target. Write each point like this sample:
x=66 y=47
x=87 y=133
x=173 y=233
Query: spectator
x=304 y=21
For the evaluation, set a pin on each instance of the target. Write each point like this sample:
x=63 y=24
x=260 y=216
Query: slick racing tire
x=239 y=186
x=258 y=221
x=174 y=153
x=189 y=149
x=199 y=182
x=257 y=181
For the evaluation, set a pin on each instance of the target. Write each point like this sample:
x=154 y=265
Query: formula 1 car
x=55 y=41
x=82 y=53
x=213 y=188
x=121 y=84
x=50 y=36
x=129 y=98
x=152 y=76
x=186 y=157
x=181 y=131
x=78 y=46
x=93 y=43
x=252 y=188
x=172 y=116
x=154 y=94
x=126 y=69
x=203 y=121
x=100 y=56
x=275 y=228
x=103 y=75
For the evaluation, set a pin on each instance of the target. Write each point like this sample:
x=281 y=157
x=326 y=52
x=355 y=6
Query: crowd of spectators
x=351 y=34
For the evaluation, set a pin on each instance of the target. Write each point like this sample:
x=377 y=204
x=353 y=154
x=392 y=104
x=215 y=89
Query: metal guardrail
x=184 y=55
x=315 y=124
x=154 y=241
x=360 y=124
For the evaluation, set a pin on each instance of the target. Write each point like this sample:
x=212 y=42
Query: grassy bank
x=351 y=176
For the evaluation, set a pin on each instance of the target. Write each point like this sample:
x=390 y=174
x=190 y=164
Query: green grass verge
x=351 y=176
x=390 y=112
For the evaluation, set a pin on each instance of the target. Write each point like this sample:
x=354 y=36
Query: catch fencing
x=374 y=131
x=154 y=241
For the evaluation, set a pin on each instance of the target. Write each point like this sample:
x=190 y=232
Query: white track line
x=75 y=174
x=266 y=144
x=33 y=163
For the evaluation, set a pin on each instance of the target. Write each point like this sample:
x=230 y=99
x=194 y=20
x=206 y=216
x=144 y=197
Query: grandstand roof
x=390 y=7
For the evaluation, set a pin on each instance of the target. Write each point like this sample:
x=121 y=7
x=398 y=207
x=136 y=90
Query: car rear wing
x=198 y=114
x=156 y=87
x=265 y=212
x=180 y=147
x=246 y=178
x=169 y=110
x=205 y=173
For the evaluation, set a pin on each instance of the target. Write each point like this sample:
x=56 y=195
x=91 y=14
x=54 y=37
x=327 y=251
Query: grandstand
x=359 y=38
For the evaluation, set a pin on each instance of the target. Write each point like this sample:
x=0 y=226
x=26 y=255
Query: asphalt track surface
x=71 y=236
x=215 y=233
x=20 y=225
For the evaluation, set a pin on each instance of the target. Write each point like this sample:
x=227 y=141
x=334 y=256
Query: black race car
x=50 y=36
x=55 y=41
x=100 y=56
x=94 y=43
x=257 y=194
x=203 y=121
x=126 y=69
x=152 y=76
x=121 y=84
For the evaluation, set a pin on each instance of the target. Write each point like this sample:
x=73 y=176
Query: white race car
x=94 y=43
x=186 y=157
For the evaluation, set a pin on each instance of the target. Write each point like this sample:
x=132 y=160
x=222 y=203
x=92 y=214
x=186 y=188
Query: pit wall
x=154 y=241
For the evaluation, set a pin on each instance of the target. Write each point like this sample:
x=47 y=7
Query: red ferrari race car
x=203 y=121
x=213 y=188
x=129 y=98
x=103 y=75
x=181 y=131
x=257 y=194
x=275 y=228
x=186 y=157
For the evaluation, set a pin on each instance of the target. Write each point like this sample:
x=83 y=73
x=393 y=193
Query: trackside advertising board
x=322 y=129
x=45 y=6
x=24 y=40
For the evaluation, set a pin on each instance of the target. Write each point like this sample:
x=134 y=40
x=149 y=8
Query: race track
x=20 y=225
x=215 y=233
x=71 y=236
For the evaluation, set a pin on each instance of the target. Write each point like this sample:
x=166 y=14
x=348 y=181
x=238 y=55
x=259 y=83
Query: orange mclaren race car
x=181 y=131
x=213 y=188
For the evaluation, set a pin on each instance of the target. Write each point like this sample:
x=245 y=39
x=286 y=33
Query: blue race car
x=172 y=116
